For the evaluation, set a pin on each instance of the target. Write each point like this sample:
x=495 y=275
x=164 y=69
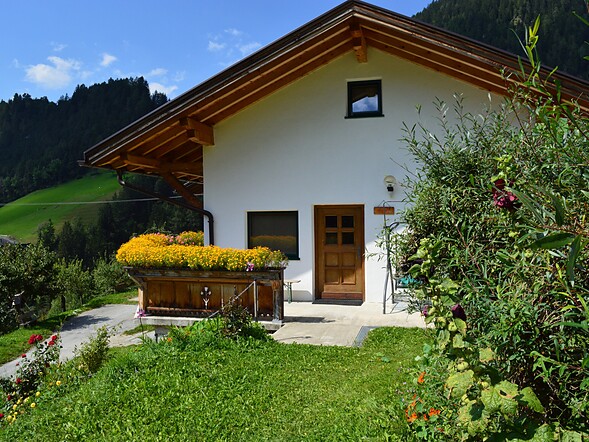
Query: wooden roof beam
x=359 y=42
x=183 y=141
x=175 y=183
x=296 y=68
x=161 y=167
x=291 y=59
x=197 y=131
x=479 y=81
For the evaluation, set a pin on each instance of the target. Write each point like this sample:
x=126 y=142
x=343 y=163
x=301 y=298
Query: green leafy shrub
x=75 y=283
x=8 y=319
x=93 y=354
x=238 y=323
x=109 y=276
x=27 y=269
x=497 y=226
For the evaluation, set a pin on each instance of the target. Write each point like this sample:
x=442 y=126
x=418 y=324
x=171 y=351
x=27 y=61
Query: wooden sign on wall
x=381 y=210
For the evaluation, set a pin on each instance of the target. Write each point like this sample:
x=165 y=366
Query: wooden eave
x=166 y=141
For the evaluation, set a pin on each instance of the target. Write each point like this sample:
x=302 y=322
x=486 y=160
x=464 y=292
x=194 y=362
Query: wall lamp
x=390 y=182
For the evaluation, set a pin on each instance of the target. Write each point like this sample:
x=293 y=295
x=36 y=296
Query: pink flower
x=503 y=198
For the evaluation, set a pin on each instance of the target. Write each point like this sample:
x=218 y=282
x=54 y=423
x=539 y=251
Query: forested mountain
x=41 y=141
x=562 y=34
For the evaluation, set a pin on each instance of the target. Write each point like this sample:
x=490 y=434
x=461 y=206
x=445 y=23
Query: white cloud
x=58 y=47
x=54 y=76
x=84 y=75
x=230 y=43
x=180 y=75
x=157 y=72
x=216 y=47
x=248 y=48
x=158 y=87
x=107 y=59
x=234 y=32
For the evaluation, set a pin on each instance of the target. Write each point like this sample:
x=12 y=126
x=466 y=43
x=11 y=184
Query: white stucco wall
x=294 y=150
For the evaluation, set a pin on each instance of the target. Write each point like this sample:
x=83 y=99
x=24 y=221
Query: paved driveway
x=81 y=328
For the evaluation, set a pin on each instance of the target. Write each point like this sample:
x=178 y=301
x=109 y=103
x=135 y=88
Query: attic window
x=364 y=99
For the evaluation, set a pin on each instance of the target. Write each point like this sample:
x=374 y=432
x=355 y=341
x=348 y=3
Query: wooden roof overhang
x=169 y=141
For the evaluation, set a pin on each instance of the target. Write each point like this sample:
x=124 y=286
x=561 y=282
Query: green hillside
x=21 y=218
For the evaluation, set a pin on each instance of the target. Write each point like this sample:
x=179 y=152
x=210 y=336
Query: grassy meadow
x=225 y=390
x=21 y=218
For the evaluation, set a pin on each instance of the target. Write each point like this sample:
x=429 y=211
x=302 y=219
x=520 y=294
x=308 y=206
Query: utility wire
x=65 y=203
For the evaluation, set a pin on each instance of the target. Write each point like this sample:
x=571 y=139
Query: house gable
x=169 y=141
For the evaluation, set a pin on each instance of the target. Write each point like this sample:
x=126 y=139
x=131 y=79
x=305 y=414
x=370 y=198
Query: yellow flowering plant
x=185 y=251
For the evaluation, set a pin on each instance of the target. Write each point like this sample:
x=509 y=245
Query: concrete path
x=320 y=324
x=81 y=328
x=305 y=323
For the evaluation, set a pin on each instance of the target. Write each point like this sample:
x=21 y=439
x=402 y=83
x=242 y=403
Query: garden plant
x=497 y=235
x=21 y=392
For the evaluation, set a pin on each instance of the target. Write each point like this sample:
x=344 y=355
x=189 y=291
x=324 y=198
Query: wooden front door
x=339 y=252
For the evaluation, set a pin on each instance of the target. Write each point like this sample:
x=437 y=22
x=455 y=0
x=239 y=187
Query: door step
x=330 y=301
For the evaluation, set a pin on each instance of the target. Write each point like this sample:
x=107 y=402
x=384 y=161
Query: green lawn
x=223 y=391
x=21 y=218
x=13 y=344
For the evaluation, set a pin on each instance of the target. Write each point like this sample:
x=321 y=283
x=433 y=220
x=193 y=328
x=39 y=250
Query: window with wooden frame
x=276 y=230
x=364 y=99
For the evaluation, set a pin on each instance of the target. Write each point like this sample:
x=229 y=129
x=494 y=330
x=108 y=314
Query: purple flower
x=458 y=312
x=249 y=267
x=503 y=198
x=424 y=311
x=140 y=313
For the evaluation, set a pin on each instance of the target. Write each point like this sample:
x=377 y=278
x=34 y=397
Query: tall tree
x=41 y=141
x=496 y=22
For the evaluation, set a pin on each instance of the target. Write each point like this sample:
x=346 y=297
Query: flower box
x=179 y=292
x=180 y=277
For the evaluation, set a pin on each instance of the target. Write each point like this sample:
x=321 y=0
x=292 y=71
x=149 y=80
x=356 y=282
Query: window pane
x=275 y=230
x=347 y=238
x=365 y=99
x=331 y=238
x=331 y=222
x=348 y=221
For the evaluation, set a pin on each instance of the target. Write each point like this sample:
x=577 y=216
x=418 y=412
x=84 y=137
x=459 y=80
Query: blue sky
x=49 y=47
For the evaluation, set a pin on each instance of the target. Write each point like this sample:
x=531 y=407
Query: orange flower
x=421 y=378
x=433 y=412
x=412 y=417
